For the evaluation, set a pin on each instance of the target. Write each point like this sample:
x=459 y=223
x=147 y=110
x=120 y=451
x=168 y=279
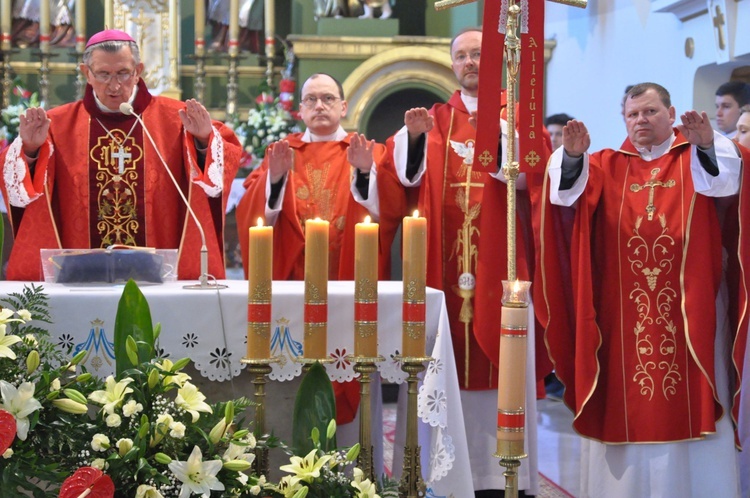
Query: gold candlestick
x=260 y=368
x=412 y=485
x=365 y=367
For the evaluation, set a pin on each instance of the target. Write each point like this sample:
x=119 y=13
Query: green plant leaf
x=133 y=320
x=315 y=406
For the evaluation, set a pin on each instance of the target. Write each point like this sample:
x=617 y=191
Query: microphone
x=128 y=110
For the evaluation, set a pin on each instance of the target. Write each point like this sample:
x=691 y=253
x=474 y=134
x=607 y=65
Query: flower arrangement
x=147 y=431
x=10 y=116
x=322 y=474
x=270 y=121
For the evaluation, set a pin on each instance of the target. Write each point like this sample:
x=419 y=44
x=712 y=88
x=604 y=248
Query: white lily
x=179 y=378
x=146 y=491
x=197 y=476
x=190 y=399
x=113 y=395
x=6 y=341
x=20 y=403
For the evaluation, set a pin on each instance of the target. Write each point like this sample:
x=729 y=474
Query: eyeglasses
x=311 y=101
x=462 y=57
x=122 y=77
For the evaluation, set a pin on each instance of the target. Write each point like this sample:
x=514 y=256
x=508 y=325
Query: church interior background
x=387 y=65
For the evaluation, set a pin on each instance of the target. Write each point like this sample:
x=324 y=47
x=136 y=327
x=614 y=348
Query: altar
x=210 y=327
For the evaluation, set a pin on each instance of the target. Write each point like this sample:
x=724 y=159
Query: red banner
x=529 y=105
x=531 y=92
x=490 y=87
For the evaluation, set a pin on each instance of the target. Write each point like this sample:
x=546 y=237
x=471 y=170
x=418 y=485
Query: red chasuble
x=319 y=186
x=98 y=181
x=451 y=198
x=638 y=360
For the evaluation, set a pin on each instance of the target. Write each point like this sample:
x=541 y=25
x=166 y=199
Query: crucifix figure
x=718 y=24
x=121 y=155
x=651 y=184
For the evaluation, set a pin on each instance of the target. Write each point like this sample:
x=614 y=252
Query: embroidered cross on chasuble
x=117 y=183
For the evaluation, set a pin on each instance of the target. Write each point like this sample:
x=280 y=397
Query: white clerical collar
x=336 y=136
x=656 y=150
x=104 y=108
x=470 y=102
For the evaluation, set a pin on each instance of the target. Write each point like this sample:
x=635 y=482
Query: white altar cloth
x=210 y=327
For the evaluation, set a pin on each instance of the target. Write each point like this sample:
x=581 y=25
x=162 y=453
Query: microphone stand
x=203 y=282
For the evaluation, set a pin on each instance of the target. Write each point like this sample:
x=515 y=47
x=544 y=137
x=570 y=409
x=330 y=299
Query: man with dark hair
x=644 y=357
x=84 y=175
x=554 y=125
x=730 y=97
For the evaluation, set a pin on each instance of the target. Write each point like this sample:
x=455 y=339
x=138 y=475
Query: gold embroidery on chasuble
x=318 y=200
x=653 y=259
x=459 y=196
x=116 y=158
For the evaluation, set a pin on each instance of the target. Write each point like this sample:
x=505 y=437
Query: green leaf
x=315 y=406
x=133 y=320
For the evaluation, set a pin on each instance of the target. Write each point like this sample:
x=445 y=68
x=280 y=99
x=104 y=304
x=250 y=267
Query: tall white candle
x=44 y=24
x=200 y=27
x=234 y=27
x=5 y=14
x=80 y=25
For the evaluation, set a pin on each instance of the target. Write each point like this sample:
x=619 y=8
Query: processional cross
x=504 y=16
x=651 y=184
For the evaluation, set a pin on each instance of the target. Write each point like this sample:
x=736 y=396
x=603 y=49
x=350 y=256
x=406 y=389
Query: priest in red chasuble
x=328 y=173
x=435 y=161
x=85 y=175
x=646 y=359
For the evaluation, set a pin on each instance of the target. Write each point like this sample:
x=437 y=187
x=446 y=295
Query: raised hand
x=33 y=128
x=697 y=129
x=359 y=153
x=197 y=121
x=280 y=160
x=576 y=139
x=418 y=121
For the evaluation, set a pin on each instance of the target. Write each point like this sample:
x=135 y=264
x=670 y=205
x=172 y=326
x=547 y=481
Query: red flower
x=264 y=98
x=88 y=478
x=7 y=430
x=19 y=91
x=287 y=86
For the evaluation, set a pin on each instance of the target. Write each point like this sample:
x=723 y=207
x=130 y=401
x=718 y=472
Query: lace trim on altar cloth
x=15 y=172
x=215 y=170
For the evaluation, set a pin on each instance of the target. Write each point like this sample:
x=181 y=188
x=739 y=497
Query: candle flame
x=367 y=219
x=516 y=286
x=416 y=213
x=260 y=221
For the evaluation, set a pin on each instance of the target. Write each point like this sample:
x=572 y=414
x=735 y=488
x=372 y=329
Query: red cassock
x=98 y=181
x=466 y=216
x=319 y=186
x=638 y=359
